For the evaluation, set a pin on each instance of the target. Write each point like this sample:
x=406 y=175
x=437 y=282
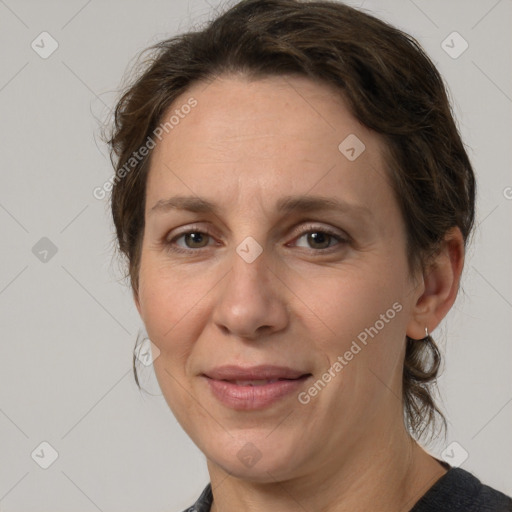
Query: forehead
x=232 y=108
x=270 y=133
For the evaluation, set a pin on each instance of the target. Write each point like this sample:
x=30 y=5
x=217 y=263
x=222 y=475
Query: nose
x=252 y=301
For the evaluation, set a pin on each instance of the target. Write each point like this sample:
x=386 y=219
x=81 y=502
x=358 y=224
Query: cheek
x=363 y=311
x=170 y=308
x=174 y=317
x=355 y=303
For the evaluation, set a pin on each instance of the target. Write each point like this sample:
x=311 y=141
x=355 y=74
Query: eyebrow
x=287 y=204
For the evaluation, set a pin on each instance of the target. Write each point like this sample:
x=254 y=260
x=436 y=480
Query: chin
x=259 y=473
x=255 y=461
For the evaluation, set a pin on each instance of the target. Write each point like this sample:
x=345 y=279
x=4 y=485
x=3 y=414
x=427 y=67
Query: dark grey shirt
x=456 y=491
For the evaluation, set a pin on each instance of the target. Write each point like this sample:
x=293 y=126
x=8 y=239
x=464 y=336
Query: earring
x=422 y=339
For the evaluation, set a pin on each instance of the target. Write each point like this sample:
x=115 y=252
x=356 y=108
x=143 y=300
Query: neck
x=390 y=473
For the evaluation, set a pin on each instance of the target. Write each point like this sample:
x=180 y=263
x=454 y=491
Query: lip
x=221 y=382
x=260 y=372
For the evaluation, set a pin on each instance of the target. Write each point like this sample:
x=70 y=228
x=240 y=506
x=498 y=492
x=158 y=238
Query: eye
x=317 y=238
x=320 y=239
x=191 y=239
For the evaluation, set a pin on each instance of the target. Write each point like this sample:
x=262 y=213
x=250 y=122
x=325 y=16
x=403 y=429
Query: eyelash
x=171 y=247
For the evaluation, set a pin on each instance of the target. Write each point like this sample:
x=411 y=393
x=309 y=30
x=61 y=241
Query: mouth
x=254 y=388
x=261 y=373
x=262 y=382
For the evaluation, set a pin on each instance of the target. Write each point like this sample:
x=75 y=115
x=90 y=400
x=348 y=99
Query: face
x=272 y=240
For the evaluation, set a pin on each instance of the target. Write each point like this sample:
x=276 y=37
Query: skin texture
x=301 y=303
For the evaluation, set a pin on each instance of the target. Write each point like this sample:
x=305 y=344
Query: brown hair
x=390 y=85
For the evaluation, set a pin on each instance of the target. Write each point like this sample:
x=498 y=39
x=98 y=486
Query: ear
x=438 y=286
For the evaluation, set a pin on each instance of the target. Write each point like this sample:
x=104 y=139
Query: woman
x=294 y=201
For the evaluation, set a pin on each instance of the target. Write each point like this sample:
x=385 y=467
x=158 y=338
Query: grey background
x=68 y=323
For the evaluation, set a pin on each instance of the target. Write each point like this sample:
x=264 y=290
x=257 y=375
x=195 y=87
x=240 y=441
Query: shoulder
x=459 y=490
x=456 y=491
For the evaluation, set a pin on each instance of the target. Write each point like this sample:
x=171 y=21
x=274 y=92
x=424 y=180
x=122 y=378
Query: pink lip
x=246 y=397
x=260 y=372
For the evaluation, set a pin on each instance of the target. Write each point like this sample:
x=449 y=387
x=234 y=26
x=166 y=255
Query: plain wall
x=69 y=324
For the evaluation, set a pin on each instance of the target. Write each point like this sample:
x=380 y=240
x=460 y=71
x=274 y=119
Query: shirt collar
x=204 y=502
